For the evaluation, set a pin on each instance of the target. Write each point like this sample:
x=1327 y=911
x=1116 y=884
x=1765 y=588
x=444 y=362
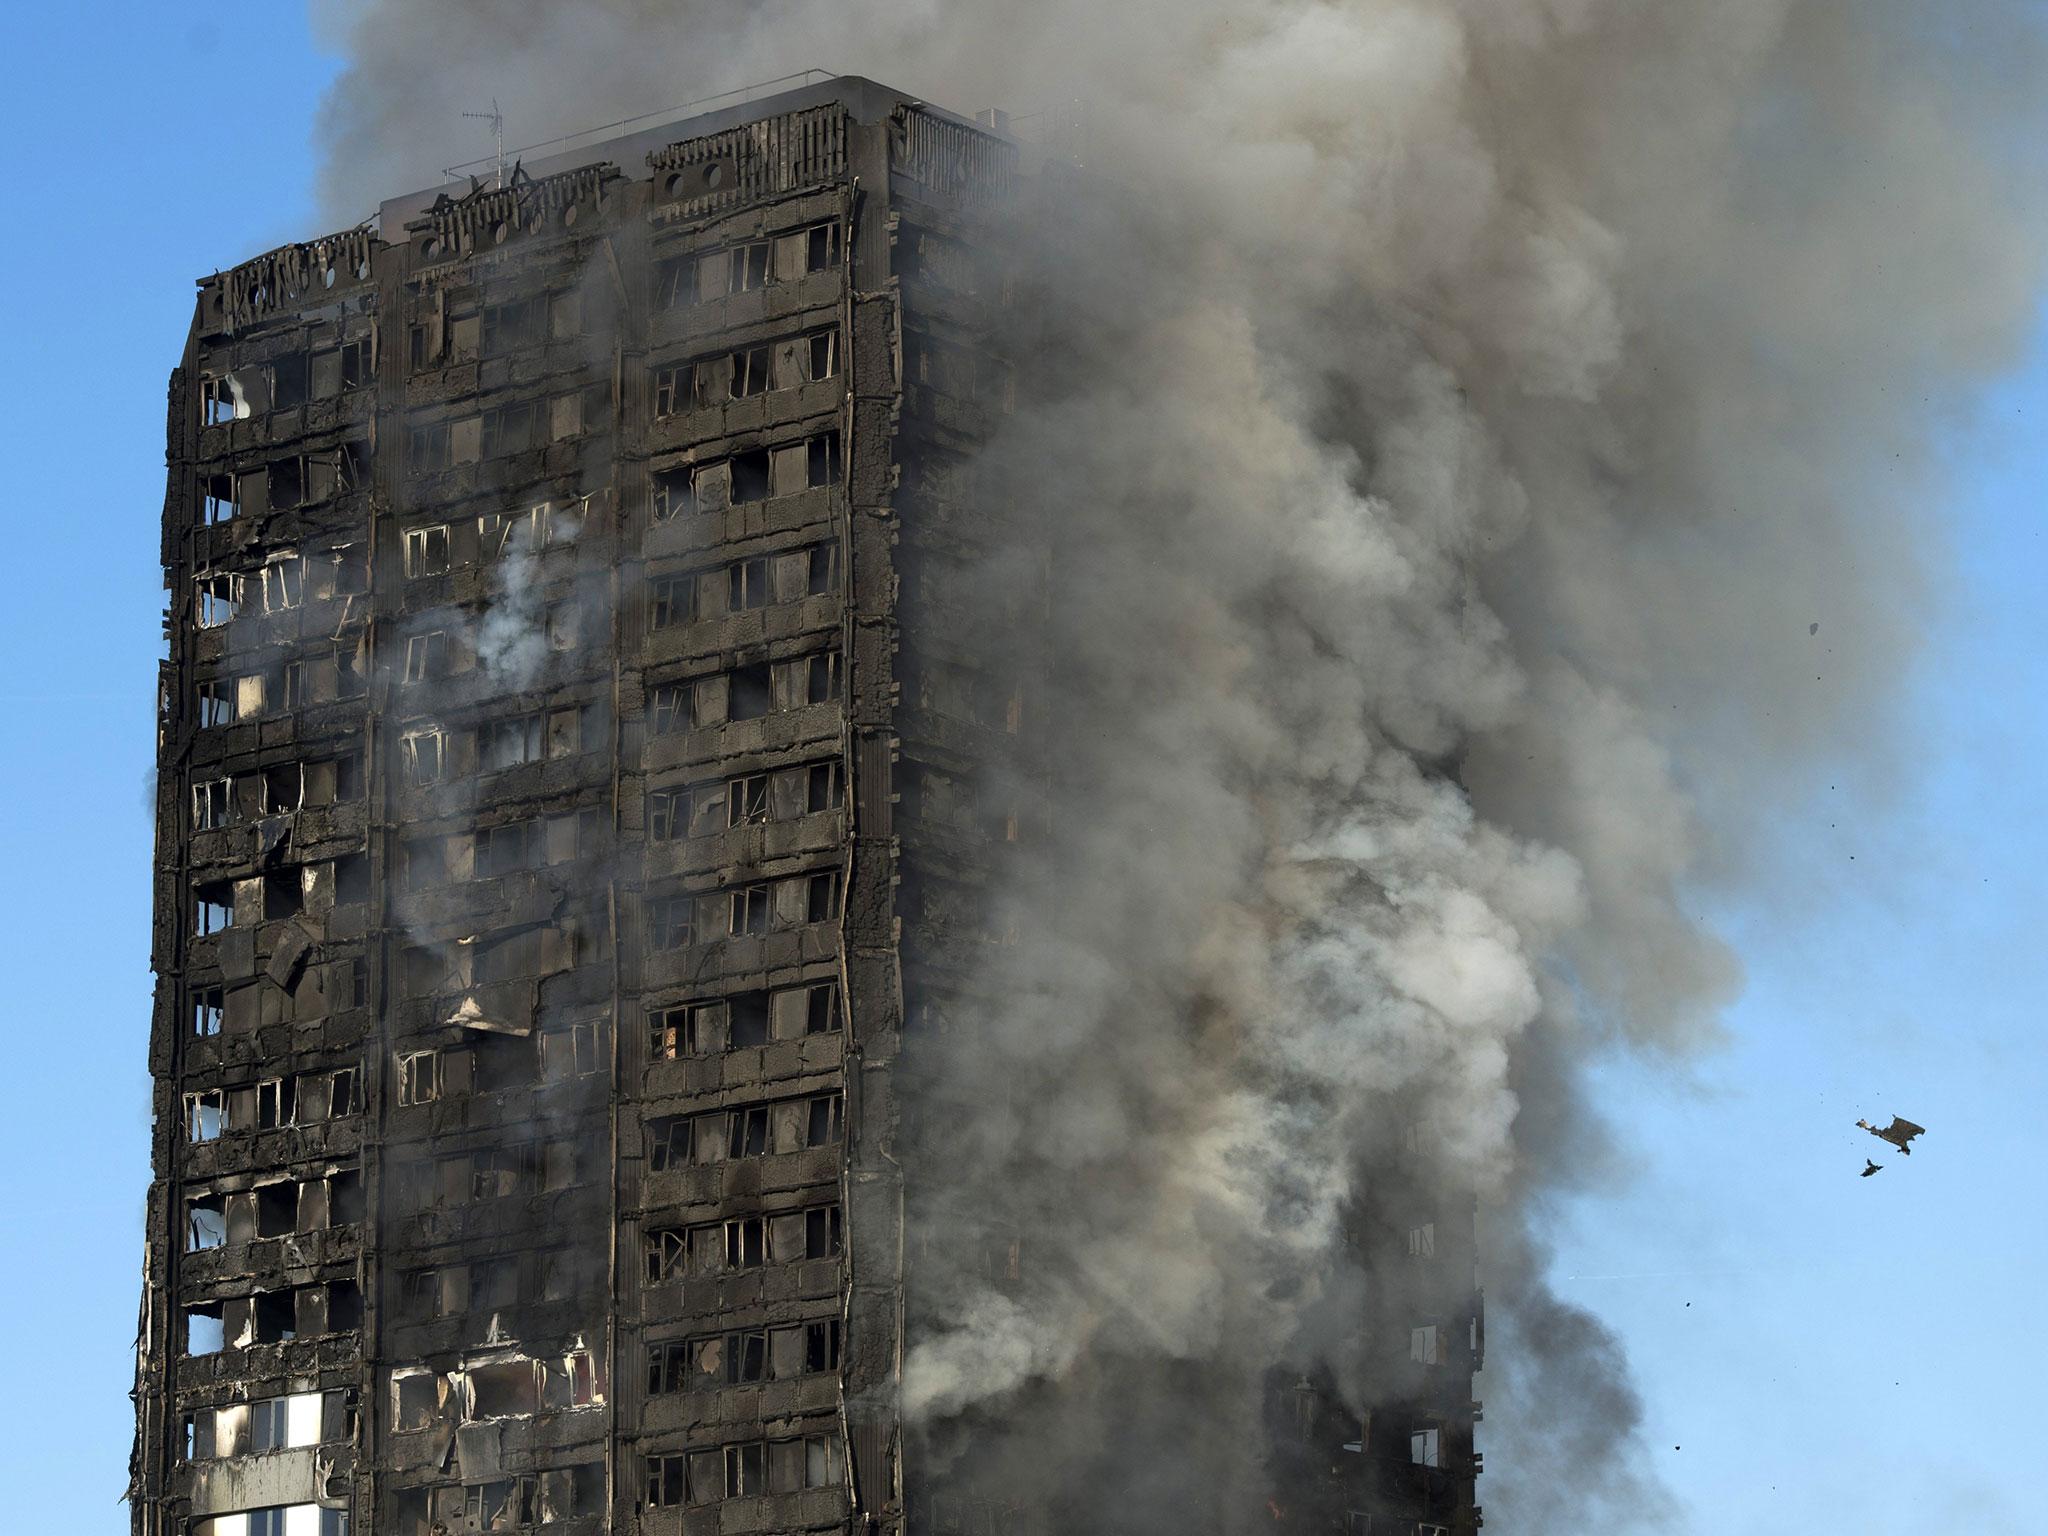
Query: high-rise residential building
x=567 y=801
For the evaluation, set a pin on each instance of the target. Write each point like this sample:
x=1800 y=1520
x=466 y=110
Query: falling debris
x=1869 y=1168
x=1898 y=1133
x=1813 y=629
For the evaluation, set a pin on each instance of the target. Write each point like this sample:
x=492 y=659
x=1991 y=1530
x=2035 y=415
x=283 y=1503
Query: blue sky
x=1816 y=1352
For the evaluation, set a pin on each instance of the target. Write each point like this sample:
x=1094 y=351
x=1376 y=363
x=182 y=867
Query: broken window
x=427 y=448
x=1422 y=1241
x=1425 y=1345
x=747 y=909
x=284 y=584
x=512 y=428
x=668 y=1483
x=219 y=501
x=205 y=1115
x=671 y=922
x=219 y=596
x=675 y=282
x=821 y=1120
x=673 y=707
x=213 y=804
x=671 y=1143
x=505 y=744
x=514 y=324
x=821 y=1232
x=821 y=898
x=208 y=1008
x=821 y=1008
x=213 y=907
x=821 y=247
x=503 y=1390
x=821 y=569
x=206 y=1223
x=674 y=492
x=746 y=584
x=419 y=1077
x=747 y=1132
x=668 y=1254
x=746 y=1242
x=276 y=1099
x=424 y=753
x=746 y=1020
x=675 y=389
x=824 y=787
x=205 y=1331
x=668 y=814
x=426 y=551
x=502 y=849
x=221 y=399
x=746 y=799
x=821 y=456
x=749 y=266
x=751 y=372
x=821 y=1346
x=1425 y=1447
x=821 y=355
x=426 y=656
x=572 y=1052
x=671 y=600
x=289 y=377
x=749 y=476
x=216 y=703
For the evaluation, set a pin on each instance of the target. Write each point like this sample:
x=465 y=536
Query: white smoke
x=1464 y=410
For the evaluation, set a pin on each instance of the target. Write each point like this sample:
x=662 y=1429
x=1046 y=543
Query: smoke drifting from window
x=1465 y=411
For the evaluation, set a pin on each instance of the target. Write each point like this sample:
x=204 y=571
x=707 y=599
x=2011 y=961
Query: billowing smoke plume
x=1465 y=410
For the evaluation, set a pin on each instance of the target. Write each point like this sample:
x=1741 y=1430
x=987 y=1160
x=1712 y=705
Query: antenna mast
x=497 y=121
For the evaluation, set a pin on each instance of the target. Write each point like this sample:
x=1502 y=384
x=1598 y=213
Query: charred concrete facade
x=566 y=822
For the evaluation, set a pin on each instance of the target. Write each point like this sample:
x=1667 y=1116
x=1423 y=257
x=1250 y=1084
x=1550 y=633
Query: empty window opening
x=750 y=481
x=426 y=551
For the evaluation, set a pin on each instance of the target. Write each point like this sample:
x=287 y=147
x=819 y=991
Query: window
x=821 y=354
x=671 y=600
x=671 y=1143
x=284 y=584
x=213 y=804
x=747 y=1132
x=821 y=898
x=213 y=908
x=750 y=372
x=426 y=656
x=750 y=266
x=675 y=389
x=424 y=753
x=821 y=247
x=512 y=428
x=1422 y=1241
x=673 y=707
x=675 y=492
x=668 y=1484
x=206 y=1223
x=508 y=743
x=821 y=1232
x=573 y=1052
x=750 y=476
x=821 y=1008
x=821 y=1346
x=218 y=501
x=821 y=456
x=419 y=1077
x=747 y=800
x=1425 y=1345
x=822 y=1123
x=747 y=911
x=675 y=282
x=216 y=703
x=219 y=597
x=671 y=922
x=746 y=1242
x=514 y=324
x=426 y=551
x=668 y=814
x=502 y=849
x=824 y=787
x=821 y=572
x=1425 y=1448
x=220 y=399
x=208 y=1007
x=747 y=584
x=205 y=1115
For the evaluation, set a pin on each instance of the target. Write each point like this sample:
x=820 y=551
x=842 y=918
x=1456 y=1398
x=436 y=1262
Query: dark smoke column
x=592 y=752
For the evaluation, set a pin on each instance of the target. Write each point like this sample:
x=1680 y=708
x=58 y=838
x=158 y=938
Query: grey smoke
x=1450 y=394
x=511 y=635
